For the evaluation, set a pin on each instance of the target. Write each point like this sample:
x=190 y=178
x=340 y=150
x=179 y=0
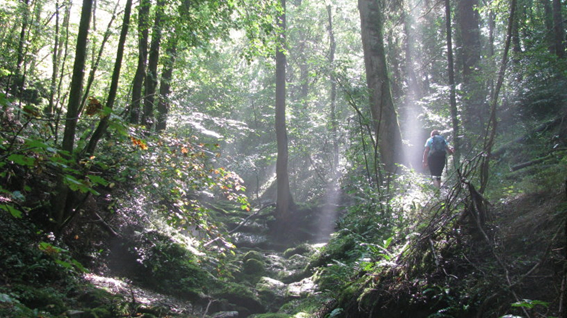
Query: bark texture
x=384 y=115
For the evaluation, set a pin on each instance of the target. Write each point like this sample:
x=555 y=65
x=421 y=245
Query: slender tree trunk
x=138 y=82
x=77 y=78
x=61 y=202
x=96 y=58
x=548 y=20
x=333 y=93
x=284 y=199
x=60 y=99
x=492 y=125
x=55 y=64
x=103 y=125
x=18 y=80
x=151 y=80
x=384 y=115
x=475 y=107
x=558 y=29
x=165 y=84
x=452 y=93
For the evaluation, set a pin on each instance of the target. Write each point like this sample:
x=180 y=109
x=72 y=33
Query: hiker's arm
x=425 y=154
x=450 y=150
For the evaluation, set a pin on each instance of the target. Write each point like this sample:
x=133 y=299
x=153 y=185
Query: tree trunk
x=452 y=93
x=16 y=81
x=138 y=82
x=102 y=126
x=59 y=100
x=284 y=201
x=493 y=122
x=384 y=116
x=61 y=202
x=55 y=64
x=474 y=95
x=558 y=29
x=151 y=76
x=333 y=97
x=165 y=85
x=548 y=20
x=96 y=59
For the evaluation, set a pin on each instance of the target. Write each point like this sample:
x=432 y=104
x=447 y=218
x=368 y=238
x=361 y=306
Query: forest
x=273 y=159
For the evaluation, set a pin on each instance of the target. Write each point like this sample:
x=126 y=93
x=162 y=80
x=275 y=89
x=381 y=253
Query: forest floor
x=512 y=264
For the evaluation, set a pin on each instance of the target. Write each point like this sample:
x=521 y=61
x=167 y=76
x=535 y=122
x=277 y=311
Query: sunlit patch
x=141 y=296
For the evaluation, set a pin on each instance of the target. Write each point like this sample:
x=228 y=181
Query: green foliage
x=10 y=307
x=530 y=304
x=43 y=299
x=170 y=175
x=171 y=268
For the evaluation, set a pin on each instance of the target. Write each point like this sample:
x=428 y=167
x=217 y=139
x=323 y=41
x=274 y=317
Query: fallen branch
x=536 y=161
x=550 y=124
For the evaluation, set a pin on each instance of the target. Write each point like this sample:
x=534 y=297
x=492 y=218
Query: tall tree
x=151 y=79
x=103 y=124
x=493 y=121
x=138 y=82
x=284 y=199
x=165 y=83
x=61 y=202
x=384 y=115
x=468 y=24
x=558 y=29
x=333 y=93
x=452 y=93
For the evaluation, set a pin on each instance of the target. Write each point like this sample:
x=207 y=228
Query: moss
x=271 y=316
x=43 y=299
x=301 y=249
x=254 y=267
x=170 y=268
x=99 y=312
x=253 y=255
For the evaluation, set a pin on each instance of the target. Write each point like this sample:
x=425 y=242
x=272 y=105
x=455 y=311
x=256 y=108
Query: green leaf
x=10 y=209
x=34 y=143
x=18 y=196
x=97 y=180
x=22 y=160
x=77 y=185
x=530 y=304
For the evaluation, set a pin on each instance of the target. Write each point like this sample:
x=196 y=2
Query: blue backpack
x=438 y=145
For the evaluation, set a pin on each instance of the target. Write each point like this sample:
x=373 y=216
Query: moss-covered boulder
x=271 y=293
x=302 y=249
x=239 y=297
x=301 y=289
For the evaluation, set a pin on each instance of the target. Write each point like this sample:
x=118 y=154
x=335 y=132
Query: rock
x=74 y=313
x=225 y=314
x=271 y=292
x=300 y=289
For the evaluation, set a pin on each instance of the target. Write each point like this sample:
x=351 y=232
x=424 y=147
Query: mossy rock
x=167 y=267
x=301 y=249
x=243 y=297
x=254 y=267
x=99 y=312
x=271 y=292
x=253 y=255
x=271 y=315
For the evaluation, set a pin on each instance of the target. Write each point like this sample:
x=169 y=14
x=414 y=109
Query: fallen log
x=535 y=161
x=547 y=125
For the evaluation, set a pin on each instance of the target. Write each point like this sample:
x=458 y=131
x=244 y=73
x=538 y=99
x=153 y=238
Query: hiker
x=434 y=155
